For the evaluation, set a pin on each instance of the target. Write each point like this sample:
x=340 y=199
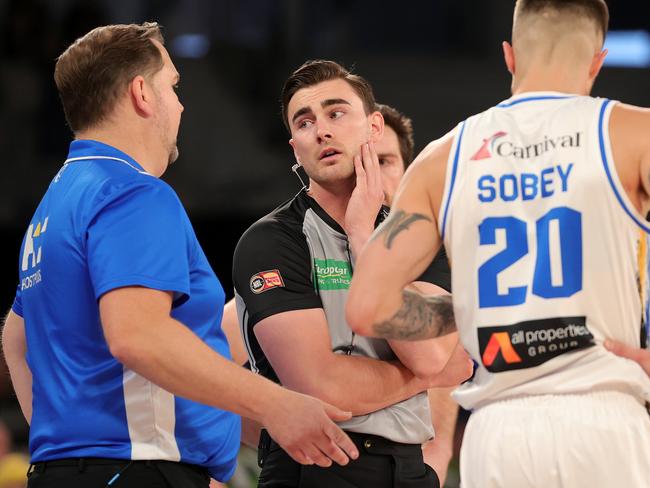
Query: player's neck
x=545 y=79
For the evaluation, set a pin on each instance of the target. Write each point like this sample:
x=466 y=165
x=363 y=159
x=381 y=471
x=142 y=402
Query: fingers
x=336 y=414
x=360 y=172
x=316 y=455
x=339 y=446
x=298 y=455
x=375 y=164
x=371 y=165
x=624 y=350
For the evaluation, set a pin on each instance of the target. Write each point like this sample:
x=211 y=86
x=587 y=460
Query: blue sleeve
x=140 y=238
x=17 y=306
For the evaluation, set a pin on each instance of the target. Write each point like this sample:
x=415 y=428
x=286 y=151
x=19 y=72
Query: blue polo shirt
x=105 y=223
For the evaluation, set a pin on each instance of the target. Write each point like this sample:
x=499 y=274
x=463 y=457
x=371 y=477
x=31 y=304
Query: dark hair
x=596 y=10
x=403 y=127
x=317 y=71
x=92 y=72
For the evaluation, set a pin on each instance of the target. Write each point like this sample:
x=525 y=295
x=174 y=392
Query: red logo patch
x=266 y=280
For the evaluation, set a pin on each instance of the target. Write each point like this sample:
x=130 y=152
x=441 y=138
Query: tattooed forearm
x=420 y=317
x=397 y=221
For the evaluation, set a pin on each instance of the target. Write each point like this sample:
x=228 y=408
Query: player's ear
x=509 y=57
x=376 y=126
x=597 y=63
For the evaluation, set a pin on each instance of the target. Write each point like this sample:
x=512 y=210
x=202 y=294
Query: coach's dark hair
x=403 y=127
x=317 y=71
x=594 y=9
x=93 y=71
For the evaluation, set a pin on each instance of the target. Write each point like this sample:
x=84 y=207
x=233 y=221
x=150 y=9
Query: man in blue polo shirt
x=117 y=313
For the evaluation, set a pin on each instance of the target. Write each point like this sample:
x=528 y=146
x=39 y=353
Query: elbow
x=358 y=316
x=426 y=370
x=127 y=351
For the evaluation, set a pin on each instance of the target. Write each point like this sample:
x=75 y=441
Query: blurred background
x=438 y=61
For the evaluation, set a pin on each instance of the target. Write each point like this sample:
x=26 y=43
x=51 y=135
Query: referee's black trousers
x=381 y=464
x=115 y=473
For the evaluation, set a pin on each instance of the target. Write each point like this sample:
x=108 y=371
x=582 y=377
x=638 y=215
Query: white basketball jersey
x=548 y=255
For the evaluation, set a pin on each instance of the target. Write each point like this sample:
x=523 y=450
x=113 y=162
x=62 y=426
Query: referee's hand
x=636 y=354
x=303 y=426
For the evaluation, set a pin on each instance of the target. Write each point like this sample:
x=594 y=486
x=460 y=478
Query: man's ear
x=141 y=96
x=376 y=126
x=509 y=57
x=597 y=63
x=295 y=154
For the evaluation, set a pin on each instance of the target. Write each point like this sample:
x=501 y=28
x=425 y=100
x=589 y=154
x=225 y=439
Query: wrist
x=357 y=239
x=267 y=401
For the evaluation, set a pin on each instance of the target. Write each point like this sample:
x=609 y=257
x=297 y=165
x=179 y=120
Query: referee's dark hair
x=93 y=71
x=317 y=71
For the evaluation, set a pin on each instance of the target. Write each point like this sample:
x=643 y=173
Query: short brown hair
x=595 y=10
x=320 y=70
x=92 y=72
x=403 y=127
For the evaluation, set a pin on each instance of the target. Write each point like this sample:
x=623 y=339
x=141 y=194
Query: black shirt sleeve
x=438 y=272
x=272 y=271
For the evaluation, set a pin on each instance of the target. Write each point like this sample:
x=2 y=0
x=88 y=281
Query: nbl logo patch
x=531 y=343
x=266 y=280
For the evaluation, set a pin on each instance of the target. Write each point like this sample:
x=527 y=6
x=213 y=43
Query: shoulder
x=282 y=226
x=630 y=117
x=428 y=171
x=628 y=131
x=141 y=190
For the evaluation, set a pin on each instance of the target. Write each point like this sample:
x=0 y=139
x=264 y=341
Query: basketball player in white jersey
x=540 y=203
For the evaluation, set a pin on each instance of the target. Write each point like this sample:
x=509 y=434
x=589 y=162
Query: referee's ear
x=376 y=120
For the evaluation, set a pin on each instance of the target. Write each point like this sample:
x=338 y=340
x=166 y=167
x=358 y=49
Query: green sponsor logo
x=332 y=274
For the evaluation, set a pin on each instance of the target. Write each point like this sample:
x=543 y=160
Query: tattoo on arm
x=420 y=317
x=397 y=221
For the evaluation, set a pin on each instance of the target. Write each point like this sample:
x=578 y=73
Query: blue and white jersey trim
x=610 y=170
x=454 y=172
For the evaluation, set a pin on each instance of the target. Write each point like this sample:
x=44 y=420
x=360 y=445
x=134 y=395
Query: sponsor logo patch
x=332 y=274
x=495 y=145
x=531 y=343
x=485 y=151
x=266 y=280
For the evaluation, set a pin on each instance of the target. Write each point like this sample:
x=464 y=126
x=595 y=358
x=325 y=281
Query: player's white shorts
x=594 y=440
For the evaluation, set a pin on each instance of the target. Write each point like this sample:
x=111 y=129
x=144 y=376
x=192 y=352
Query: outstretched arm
x=143 y=336
x=398 y=253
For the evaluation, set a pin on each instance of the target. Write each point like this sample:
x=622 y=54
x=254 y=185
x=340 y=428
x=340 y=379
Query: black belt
x=374 y=444
x=81 y=463
x=368 y=443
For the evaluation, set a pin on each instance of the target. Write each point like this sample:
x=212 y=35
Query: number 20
x=570 y=237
